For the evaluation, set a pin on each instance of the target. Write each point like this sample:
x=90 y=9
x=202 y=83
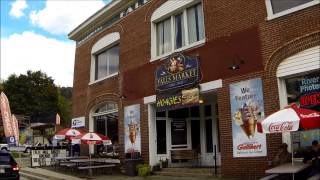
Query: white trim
x=271 y=15
x=149 y=99
x=212 y=85
x=104 y=78
x=105 y=41
x=169 y=7
x=195 y=44
x=304 y=61
x=204 y=87
x=307 y=60
x=105 y=9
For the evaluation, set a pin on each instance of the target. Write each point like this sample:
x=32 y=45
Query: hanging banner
x=177 y=99
x=177 y=72
x=6 y=118
x=246 y=99
x=78 y=122
x=15 y=127
x=132 y=138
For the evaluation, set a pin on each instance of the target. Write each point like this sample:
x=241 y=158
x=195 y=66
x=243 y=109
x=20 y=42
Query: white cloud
x=60 y=17
x=17 y=8
x=30 y=51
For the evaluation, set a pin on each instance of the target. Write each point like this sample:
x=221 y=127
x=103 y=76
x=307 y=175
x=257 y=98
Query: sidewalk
x=155 y=177
x=43 y=174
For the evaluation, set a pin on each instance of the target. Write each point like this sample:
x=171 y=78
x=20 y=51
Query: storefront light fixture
x=201 y=101
x=123 y=97
x=236 y=63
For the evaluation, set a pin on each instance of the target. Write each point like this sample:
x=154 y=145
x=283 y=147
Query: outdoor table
x=288 y=168
x=68 y=158
x=108 y=161
x=103 y=160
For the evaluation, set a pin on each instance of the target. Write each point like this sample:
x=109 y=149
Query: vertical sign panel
x=132 y=138
x=247 y=108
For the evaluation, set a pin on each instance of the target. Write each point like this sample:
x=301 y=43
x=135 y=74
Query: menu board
x=46 y=157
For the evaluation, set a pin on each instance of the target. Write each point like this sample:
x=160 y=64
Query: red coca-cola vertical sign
x=7 y=120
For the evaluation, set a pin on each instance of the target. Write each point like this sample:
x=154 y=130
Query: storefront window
x=195 y=111
x=161 y=137
x=304 y=90
x=106 y=120
x=179 y=133
x=195 y=135
x=209 y=143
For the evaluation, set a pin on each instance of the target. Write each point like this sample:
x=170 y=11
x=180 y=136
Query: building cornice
x=98 y=21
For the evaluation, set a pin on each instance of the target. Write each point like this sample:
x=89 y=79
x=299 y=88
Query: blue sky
x=34 y=36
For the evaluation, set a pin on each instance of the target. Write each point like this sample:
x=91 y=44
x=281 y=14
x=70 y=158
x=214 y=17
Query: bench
x=184 y=155
x=96 y=167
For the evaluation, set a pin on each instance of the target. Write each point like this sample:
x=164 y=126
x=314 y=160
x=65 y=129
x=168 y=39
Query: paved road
x=24 y=178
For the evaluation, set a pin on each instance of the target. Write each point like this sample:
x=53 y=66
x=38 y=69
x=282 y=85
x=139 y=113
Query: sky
x=34 y=36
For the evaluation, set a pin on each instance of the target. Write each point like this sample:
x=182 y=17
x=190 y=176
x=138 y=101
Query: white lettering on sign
x=285 y=126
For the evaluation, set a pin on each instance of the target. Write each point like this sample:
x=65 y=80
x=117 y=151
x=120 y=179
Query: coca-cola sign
x=281 y=127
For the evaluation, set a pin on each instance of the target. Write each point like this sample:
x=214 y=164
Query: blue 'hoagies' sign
x=177 y=72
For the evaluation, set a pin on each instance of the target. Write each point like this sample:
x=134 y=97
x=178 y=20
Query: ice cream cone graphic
x=247 y=119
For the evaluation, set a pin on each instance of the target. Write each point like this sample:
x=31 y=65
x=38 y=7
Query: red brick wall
x=223 y=19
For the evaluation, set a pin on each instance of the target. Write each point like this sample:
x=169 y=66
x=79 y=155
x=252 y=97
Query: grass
x=16 y=154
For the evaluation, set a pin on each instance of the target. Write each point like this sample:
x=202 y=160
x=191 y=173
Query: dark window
x=195 y=135
x=207 y=110
x=161 y=114
x=112 y=128
x=101 y=126
x=161 y=137
x=179 y=132
x=179 y=31
x=209 y=143
x=282 y=5
x=195 y=111
x=179 y=113
x=6 y=158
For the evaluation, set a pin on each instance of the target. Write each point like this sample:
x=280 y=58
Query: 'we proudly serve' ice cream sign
x=247 y=108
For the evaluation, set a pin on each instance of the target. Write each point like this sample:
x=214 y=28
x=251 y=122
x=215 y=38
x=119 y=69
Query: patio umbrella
x=67 y=133
x=91 y=138
x=291 y=118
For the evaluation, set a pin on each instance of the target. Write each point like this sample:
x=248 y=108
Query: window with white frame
x=277 y=8
x=107 y=63
x=180 y=30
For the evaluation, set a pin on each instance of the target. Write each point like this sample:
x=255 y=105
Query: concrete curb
x=41 y=176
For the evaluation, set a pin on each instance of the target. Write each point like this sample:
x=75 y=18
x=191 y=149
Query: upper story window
x=107 y=63
x=177 y=30
x=277 y=8
x=105 y=58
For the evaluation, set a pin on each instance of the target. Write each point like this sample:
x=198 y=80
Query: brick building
x=121 y=48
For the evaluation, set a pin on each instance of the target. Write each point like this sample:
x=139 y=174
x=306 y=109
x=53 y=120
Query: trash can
x=131 y=166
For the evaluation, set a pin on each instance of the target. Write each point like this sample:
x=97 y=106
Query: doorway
x=194 y=128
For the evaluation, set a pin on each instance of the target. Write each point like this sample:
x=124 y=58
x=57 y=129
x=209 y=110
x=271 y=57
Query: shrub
x=144 y=170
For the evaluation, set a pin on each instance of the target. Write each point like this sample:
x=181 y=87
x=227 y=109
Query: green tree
x=35 y=93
